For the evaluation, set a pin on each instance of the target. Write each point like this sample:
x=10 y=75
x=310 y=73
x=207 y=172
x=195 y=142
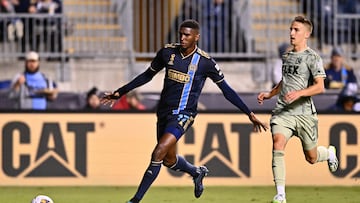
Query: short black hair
x=190 y=23
x=91 y=92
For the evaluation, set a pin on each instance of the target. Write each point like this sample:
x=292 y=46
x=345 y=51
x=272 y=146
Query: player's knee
x=159 y=152
x=311 y=160
x=279 y=145
x=157 y=155
x=279 y=142
x=168 y=163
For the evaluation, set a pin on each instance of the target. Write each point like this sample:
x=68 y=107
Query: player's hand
x=258 y=125
x=292 y=96
x=110 y=98
x=262 y=96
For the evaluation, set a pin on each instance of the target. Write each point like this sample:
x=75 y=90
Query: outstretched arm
x=234 y=98
x=143 y=78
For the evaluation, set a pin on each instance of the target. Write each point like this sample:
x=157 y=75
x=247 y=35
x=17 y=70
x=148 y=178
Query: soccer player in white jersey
x=295 y=114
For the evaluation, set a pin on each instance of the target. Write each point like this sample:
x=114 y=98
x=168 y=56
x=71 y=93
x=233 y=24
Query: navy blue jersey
x=184 y=78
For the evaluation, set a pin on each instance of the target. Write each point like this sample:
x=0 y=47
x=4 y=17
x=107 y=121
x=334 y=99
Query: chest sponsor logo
x=178 y=76
x=290 y=70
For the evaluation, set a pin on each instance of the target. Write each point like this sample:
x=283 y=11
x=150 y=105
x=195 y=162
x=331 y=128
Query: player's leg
x=281 y=128
x=178 y=127
x=320 y=154
x=309 y=139
x=178 y=163
x=166 y=142
x=198 y=173
x=278 y=166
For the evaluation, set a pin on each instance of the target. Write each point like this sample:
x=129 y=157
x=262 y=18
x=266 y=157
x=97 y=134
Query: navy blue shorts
x=174 y=124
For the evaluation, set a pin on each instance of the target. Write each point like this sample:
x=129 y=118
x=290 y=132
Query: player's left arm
x=234 y=98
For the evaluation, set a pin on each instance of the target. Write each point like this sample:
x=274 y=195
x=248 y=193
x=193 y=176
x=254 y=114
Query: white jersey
x=298 y=72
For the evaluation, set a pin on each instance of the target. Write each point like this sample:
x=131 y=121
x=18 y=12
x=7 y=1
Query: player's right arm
x=156 y=65
x=268 y=95
x=143 y=78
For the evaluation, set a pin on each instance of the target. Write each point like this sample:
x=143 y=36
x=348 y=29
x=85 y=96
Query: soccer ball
x=42 y=199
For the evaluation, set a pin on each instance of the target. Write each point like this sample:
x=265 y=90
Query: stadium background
x=109 y=43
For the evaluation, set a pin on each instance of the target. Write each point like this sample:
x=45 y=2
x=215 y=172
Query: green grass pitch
x=212 y=194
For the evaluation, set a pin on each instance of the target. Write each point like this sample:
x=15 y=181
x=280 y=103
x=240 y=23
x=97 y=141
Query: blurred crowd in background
x=220 y=22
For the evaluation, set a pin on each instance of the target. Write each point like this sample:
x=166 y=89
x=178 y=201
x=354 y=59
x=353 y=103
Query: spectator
x=216 y=24
x=93 y=99
x=338 y=73
x=130 y=101
x=27 y=41
x=276 y=72
x=49 y=29
x=189 y=10
x=220 y=27
x=323 y=14
x=15 y=26
x=345 y=104
x=347 y=99
x=32 y=89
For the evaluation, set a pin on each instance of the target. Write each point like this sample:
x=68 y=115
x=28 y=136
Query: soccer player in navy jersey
x=186 y=69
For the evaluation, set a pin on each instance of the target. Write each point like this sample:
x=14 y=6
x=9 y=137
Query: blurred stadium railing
x=224 y=25
x=239 y=29
x=336 y=23
x=230 y=29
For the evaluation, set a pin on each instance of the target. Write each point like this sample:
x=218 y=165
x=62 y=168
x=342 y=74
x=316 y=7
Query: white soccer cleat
x=334 y=163
x=279 y=198
x=42 y=199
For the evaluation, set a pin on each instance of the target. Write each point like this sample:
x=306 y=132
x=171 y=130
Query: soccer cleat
x=279 y=199
x=333 y=164
x=199 y=188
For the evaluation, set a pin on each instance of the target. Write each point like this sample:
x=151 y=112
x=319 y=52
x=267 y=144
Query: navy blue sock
x=149 y=176
x=183 y=165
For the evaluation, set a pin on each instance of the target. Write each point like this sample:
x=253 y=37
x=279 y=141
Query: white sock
x=331 y=155
x=280 y=190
